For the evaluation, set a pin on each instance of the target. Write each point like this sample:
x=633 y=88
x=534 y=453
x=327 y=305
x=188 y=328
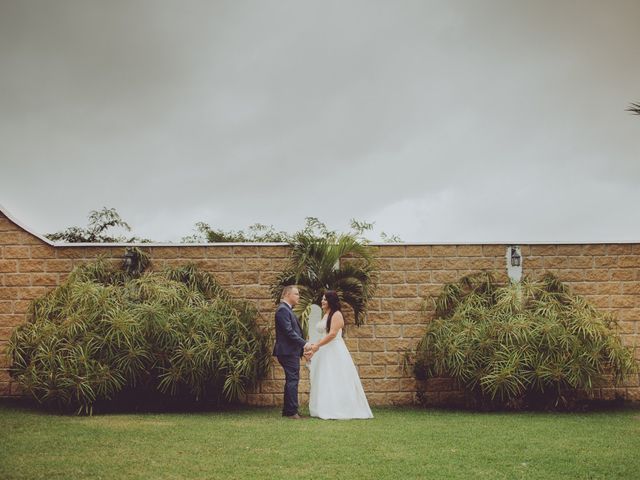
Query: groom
x=289 y=347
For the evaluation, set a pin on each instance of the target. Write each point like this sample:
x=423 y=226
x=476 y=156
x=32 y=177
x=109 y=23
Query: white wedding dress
x=336 y=390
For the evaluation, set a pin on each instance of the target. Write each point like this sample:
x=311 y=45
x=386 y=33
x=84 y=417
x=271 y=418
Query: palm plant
x=526 y=343
x=340 y=262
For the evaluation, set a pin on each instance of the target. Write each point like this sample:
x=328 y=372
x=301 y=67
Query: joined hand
x=309 y=350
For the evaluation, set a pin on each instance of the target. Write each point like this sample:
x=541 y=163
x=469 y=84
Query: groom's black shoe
x=295 y=416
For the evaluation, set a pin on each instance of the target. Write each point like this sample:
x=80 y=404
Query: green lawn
x=400 y=443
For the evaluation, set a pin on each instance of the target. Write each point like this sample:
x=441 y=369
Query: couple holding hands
x=336 y=391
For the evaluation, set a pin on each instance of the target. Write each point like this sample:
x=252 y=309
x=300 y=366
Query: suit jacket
x=289 y=340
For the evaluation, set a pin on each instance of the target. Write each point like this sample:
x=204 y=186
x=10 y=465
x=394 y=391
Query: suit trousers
x=291 y=366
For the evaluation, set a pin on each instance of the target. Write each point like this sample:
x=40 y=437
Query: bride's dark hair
x=334 y=305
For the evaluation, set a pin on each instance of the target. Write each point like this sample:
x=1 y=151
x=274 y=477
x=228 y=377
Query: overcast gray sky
x=446 y=120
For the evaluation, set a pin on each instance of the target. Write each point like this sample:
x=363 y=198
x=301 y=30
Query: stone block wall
x=608 y=275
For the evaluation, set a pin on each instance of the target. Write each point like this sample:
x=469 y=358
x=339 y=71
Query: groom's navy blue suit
x=289 y=348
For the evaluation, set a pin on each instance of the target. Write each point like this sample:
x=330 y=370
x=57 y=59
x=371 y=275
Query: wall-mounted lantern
x=130 y=260
x=515 y=257
x=514 y=263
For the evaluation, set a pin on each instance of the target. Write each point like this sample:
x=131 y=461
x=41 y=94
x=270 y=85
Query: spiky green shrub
x=344 y=263
x=520 y=345
x=105 y=332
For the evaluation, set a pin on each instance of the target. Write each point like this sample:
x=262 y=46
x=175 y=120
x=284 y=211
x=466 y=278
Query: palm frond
x=338 y=262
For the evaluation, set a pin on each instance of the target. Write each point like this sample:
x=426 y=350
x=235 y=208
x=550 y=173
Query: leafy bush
x=520 y=345
x=106 y=334
x=259 y=232
x=96 y=232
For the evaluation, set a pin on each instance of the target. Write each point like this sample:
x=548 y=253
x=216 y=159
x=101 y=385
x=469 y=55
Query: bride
x=336 y=390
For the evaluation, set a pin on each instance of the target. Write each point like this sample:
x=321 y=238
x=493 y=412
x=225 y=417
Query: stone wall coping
x=5 y=212
x=25 y=228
